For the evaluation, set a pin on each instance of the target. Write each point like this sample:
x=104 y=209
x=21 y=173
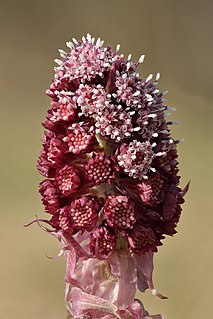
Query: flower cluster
x=111 y=178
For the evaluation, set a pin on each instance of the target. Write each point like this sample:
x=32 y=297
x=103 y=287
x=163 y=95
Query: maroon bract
x=150 y=190
x=103 y=240
x=111 y=178
x=142 y=239
x=49 y=196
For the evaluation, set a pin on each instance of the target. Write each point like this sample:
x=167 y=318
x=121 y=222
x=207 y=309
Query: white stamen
x=171 y=108
x=98 y=42
x=156 y=91
x=62 y=53
x=128 y=65
x=59 y=62
x=149 y=77
x=118 y=47
x=141 y=59
x=165 y=92
x=89 y=37
x=74 y=41
x=84 y=39
x=155 y=135
x=106 y=65
x=152 y=115
x=160 y=153
x=70 y=45
x=129 y=57
x=137 y=93
x=157 y=76
x=136 y=129
x=131 y=113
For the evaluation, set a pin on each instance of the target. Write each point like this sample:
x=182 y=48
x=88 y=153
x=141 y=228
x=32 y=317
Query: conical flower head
x=111 y=177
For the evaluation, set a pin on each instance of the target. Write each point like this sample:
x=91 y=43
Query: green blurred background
x=176 y=36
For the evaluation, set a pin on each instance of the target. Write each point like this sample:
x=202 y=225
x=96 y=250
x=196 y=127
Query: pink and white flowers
x=111 y=178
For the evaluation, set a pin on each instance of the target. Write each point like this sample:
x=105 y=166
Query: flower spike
x=111 y=185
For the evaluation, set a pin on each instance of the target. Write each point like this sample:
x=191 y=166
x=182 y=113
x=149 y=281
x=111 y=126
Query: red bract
x=49 y=196
x=52 y=154
x=112 y=178
x=103 y=241
x=150 y=190
x=142 y=239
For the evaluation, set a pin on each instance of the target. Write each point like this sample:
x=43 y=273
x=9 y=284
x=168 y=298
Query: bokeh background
x=176 y=37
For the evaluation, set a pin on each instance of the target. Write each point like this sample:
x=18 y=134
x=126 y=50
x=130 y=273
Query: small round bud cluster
x=67 y=180
x=81 y=214
x=79 y=138
x=99 y=169
x=120 y=212
x=111 y=175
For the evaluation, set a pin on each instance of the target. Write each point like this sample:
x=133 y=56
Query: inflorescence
x=110 y=165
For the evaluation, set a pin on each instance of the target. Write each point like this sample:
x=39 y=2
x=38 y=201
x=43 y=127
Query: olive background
x=176 y=37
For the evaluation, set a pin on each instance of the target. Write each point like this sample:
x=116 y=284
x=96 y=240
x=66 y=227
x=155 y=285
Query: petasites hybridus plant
x=111 y=178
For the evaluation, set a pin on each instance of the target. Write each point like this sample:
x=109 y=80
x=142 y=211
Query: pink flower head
x=136 y=159
x=67 y=180
x=99 y=169
x=80 y=138
x=81 y=214
x=120 y=212
x=114 y=123
x=111 y=170
x=92 y=99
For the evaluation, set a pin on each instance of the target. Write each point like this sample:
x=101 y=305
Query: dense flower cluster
x=111 y=178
